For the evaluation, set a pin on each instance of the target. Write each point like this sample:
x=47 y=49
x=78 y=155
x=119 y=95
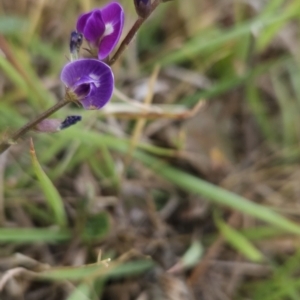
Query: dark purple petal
x=98 y=97
x=91 y=80
x=82 y=90
x=82 y=21
x=94 y=28
x=113 y=17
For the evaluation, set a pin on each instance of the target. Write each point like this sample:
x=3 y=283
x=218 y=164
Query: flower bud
x=69 y=121
x=55 y=125
x=142 y=7
x=48 y=125
x=75 y=44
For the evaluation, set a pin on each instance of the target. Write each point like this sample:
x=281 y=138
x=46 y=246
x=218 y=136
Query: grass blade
x=53 y=198
x=218 y=195
x=96 y=270
x=32 y=235
x=238 y=241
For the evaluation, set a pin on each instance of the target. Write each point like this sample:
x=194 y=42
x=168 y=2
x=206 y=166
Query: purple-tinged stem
x=130 y=35
x=31 y=124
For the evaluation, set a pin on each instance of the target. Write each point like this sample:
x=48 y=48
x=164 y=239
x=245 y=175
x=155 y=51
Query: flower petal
x=94 y=27
x=92 y=79
x=98 y=97
x=113 y=17
x=82 y=21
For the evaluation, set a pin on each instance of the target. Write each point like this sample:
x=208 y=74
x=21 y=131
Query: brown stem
x=31 y=124
x=130 y=35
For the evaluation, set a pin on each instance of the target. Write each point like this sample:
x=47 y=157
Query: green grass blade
x=82 y=292
x=32 y=235
x=238 y=241
x=199 y=44
x=218 y=195
x=193 y=184
x=14 y=76
x=96 y=270
x=259 y=109
x=53 y=198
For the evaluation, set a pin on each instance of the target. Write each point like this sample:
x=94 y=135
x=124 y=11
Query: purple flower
x=102 y=28
x=91 y=80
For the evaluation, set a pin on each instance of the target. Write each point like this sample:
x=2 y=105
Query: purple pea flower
x=91 y=80
x=102 y=28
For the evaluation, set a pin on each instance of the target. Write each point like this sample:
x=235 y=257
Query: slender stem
x=130 y=35
x=31 y=124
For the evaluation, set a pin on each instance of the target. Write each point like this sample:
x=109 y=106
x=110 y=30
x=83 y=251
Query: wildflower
x=88 y=81
x=55 y=125
x=102 y=28
x=142 y=7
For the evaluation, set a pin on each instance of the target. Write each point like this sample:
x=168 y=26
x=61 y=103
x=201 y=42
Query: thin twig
x=130 y=35
x=31 y=124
